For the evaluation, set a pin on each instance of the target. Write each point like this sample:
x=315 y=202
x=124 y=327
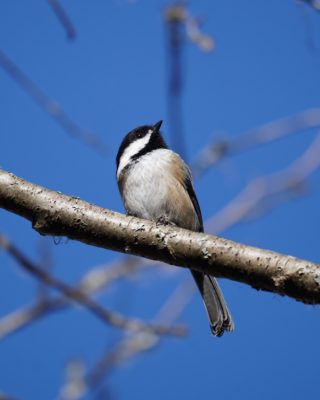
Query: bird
x=156 y=184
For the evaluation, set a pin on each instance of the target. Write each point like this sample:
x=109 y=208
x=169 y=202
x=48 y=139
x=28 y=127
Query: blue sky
x=110 y=79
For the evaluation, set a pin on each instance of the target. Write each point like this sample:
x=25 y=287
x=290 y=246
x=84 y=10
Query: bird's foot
x=164 y=220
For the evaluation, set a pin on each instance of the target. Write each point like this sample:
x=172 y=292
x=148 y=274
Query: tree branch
x=267 y=133
x=50 y=106
x=315 y=4
x=264 y=193
x=64 y=18
x=53 y=213
x=94 y=281
x=138 y=343
x=113 y=318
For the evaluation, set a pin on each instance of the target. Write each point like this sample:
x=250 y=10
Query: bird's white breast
x=146 y=185
x=152 y=189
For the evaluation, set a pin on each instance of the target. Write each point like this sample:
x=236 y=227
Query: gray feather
x=218 y=313
x=217 y=309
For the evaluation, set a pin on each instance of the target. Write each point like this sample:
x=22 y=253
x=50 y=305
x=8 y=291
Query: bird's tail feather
x=217 y=309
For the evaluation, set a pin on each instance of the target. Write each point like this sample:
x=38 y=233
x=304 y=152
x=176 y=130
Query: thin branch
x=176 y=302
x=265 y=192
x=113 y=318
x=139 y=343
x=53 y=213
x=175 y=43
x=315 y=4
x=64 y=19
x=309 y=31
x=216 y=152
x=74 y=387
x=94 y=281
x=23 y=317
x=78 y=384
x=99 y=278
x=4 y=396
x=180 y=25
x=50 y=106
x=178 y=13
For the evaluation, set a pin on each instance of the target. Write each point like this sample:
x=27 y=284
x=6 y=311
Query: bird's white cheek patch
x=132 y=150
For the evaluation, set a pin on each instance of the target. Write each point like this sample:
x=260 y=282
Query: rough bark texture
x=53 y=213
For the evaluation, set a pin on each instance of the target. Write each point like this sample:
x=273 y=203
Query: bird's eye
x=139 y=135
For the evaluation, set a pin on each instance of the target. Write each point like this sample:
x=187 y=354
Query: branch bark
x=53 y=213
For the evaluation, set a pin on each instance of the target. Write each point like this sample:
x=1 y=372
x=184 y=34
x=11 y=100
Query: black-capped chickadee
x=155 y=184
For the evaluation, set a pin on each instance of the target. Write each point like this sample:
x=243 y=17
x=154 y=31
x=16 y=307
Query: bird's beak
x=157 y=126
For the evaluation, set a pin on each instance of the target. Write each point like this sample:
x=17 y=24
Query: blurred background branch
x=275 y=130
x=77 y=295
x=137 y=344
x=180 y=26
x=96 y=280
x=63 y=18
x=51 y=107
x=315 y=4
x=264 y=193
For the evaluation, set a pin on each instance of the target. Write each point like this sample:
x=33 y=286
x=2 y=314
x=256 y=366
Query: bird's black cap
x=156 y=140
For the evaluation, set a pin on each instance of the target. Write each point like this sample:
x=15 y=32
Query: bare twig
x=137 y=344
x=260 y=194
x=267 y=133
x=180 y=25
x=99 y=278
x=23 y=317
x=113 y=318
x=179 y=13
x=315 y=4
x=59 y=215
x=4 y=396
x=175 y=39
x=94 y=281
x=63 y=18
x=309 y=33
x=50 y=106
x=75 y=386
x=176 y=302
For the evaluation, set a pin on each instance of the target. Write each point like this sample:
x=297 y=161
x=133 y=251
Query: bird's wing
x=189 y=188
